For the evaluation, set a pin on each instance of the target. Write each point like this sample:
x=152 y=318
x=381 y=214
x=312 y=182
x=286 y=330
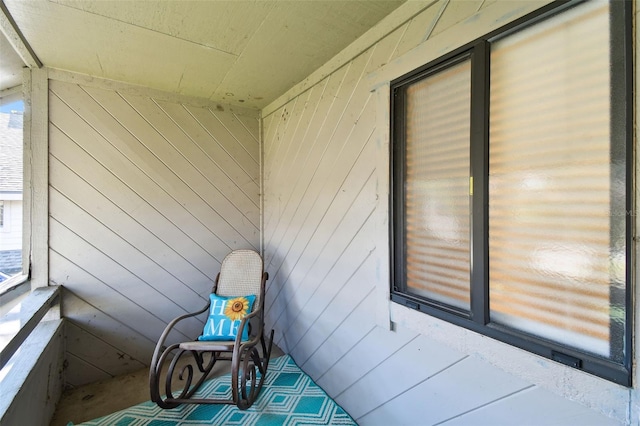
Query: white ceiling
x=238 y=52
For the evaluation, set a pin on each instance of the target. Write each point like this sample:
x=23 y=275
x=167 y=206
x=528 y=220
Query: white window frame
x=35 y=249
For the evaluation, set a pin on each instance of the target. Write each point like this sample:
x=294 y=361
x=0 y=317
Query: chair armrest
x=258 y=311
x=163 y=337
x=243 y=324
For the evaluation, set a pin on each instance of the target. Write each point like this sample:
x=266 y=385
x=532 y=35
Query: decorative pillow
x=225 y=315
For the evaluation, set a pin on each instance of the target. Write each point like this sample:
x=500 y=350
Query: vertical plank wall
x=146 y=198
x=321 y=251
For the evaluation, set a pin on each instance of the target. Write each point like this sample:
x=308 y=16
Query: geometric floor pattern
x=288 y=397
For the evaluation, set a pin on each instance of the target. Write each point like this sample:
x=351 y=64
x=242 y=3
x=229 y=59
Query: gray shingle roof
x=11 y=152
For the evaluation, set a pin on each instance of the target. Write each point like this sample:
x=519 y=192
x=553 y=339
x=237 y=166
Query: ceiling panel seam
x=150 y=29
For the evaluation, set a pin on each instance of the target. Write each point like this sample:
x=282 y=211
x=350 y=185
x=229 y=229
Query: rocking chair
x=241 y=277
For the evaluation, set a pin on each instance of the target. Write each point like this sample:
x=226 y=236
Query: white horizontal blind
x=437 y=186
x=551 y=265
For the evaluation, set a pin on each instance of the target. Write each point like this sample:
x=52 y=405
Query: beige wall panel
x=245 y=155
x=355 y=327
x=108 y=329
x=336 y=299
x=219 y=186
x=331 y=161
x=108 y=214
x=84 y=345
x=272 y=124
x=326 y=237
x=281 y=126
x=333 y=192
x=379 y=345
x=100 y=295
x=331 y=169
x=293 y=215
x=238 y=133
x=347 y=277
x=138 y=326
x=141 y=215
x=242 y=176
x=269 y=126
x=143 y=220
x=283 y=155
x=277 y=201
x=487 y=3
x=138 y=142
x=317 y=268
x=297 y=153
x=118 y=249
x=455 y=12
x=419 y=28
x=252 y=126
x=288 y=146
x=121 y=281
x=97 y=133
x=79 y=372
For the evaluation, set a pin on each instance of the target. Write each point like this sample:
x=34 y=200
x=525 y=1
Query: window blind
x=437 y=220
x=553 y=257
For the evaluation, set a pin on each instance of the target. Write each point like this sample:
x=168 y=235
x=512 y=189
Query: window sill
x=27 y=315
x=30 y=357
x=33 y=364
x=12 y=283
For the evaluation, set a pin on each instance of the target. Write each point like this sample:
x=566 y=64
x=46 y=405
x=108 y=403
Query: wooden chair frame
x=248 y=358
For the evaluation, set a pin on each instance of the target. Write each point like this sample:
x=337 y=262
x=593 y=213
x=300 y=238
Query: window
x=11 y=184
x=511 y=186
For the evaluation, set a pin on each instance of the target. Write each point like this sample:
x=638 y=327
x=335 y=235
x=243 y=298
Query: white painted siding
x=11 y=232
x=326 y=250
x=146 y=198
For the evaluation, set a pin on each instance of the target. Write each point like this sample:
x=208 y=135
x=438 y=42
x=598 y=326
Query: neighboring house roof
x=11 y=152
x=10 y=263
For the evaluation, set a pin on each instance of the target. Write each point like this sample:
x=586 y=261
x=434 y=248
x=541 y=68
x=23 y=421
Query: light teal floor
x=289 y=397
x=108 y=396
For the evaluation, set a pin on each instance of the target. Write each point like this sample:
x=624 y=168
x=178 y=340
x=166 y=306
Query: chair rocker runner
x=234 y=331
